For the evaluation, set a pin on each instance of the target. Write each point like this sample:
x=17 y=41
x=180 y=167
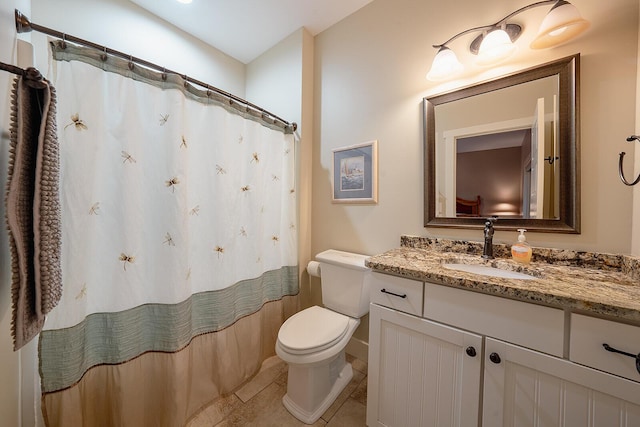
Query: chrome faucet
x=487 y=252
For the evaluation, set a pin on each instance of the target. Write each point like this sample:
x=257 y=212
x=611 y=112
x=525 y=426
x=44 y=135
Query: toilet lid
x=312 y=329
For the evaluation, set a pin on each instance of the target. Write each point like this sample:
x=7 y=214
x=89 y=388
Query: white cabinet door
x=527 y=388
x=421 y=373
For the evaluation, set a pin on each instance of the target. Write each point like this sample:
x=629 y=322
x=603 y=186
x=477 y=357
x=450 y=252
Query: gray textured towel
x=32 y=206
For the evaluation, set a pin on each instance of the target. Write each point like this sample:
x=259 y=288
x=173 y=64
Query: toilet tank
x=345 y=282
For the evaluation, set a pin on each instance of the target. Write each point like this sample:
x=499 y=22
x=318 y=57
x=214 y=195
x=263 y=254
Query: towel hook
x=622 y=153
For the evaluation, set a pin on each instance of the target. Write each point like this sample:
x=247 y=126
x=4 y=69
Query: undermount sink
x=485 y=270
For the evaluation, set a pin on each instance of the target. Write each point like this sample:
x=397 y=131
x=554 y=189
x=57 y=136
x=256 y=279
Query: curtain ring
x=186 y=81
x=64 y=41
x=131 y=64
x=164 y=74
x=103 y=55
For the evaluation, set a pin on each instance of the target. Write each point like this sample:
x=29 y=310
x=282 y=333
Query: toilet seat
x=311 y=330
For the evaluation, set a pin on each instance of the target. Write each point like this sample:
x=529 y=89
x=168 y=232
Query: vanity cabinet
x=473 y=359
x=421 y=373
x=523 y=387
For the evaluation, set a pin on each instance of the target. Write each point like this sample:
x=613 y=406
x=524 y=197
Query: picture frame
x=355 y=173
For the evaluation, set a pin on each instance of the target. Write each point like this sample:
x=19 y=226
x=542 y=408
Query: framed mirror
x=507 y=148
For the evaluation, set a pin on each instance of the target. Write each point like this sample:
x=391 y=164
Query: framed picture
x=355 y=173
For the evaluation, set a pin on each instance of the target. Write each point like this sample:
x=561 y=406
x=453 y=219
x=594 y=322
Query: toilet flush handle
x=384 y=291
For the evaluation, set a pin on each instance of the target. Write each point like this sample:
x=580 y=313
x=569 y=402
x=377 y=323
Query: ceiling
x=244 y=29
x=494 y=141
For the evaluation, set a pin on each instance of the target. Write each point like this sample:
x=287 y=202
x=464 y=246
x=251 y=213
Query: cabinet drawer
x=396 y=292
x=529 y=325
x=588 y=334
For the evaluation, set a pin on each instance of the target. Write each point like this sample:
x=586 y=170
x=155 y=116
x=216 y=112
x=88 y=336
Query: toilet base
x=311 y=415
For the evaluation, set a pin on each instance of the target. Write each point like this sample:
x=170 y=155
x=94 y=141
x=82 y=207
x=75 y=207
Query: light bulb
x=496 y=46
x=445 y=65
x=562 y=23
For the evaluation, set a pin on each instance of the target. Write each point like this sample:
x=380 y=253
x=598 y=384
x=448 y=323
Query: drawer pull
x=384 y=291
x=615 y=350
x=495 y=358
x=471 y=351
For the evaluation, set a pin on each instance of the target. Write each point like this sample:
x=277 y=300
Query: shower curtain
x=179 y=250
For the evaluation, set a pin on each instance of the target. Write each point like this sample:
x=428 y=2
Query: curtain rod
x=23 y=25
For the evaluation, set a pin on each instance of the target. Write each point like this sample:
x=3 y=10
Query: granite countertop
x=598 y=283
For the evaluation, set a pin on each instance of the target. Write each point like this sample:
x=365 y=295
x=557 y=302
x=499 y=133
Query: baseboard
x=358 y=349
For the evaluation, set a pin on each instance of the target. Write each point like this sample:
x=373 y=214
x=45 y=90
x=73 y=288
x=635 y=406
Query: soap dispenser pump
x=521 y=251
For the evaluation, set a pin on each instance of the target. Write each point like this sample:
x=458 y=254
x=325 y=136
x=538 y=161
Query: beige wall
x=635 y=238
x=370 y=81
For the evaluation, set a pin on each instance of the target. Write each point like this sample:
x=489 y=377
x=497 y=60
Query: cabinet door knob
x=471 y=351
x=495 y=358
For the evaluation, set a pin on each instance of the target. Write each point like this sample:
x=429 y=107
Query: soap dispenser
x=521 y=251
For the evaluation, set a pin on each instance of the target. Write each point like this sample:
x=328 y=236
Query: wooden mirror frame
x=567 y=70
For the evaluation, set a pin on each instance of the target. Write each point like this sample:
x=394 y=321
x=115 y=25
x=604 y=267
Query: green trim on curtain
x=64 y=51
x=108 y=337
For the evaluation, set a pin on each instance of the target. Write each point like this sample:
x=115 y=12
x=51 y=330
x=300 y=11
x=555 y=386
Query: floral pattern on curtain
x=179 y=220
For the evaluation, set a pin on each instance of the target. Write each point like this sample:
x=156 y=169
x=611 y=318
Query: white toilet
x=312 y=341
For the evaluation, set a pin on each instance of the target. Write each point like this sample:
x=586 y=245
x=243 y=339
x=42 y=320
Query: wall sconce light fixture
x=496 y=41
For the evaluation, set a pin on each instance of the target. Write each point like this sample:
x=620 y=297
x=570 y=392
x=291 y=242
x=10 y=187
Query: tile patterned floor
x=259 y=402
